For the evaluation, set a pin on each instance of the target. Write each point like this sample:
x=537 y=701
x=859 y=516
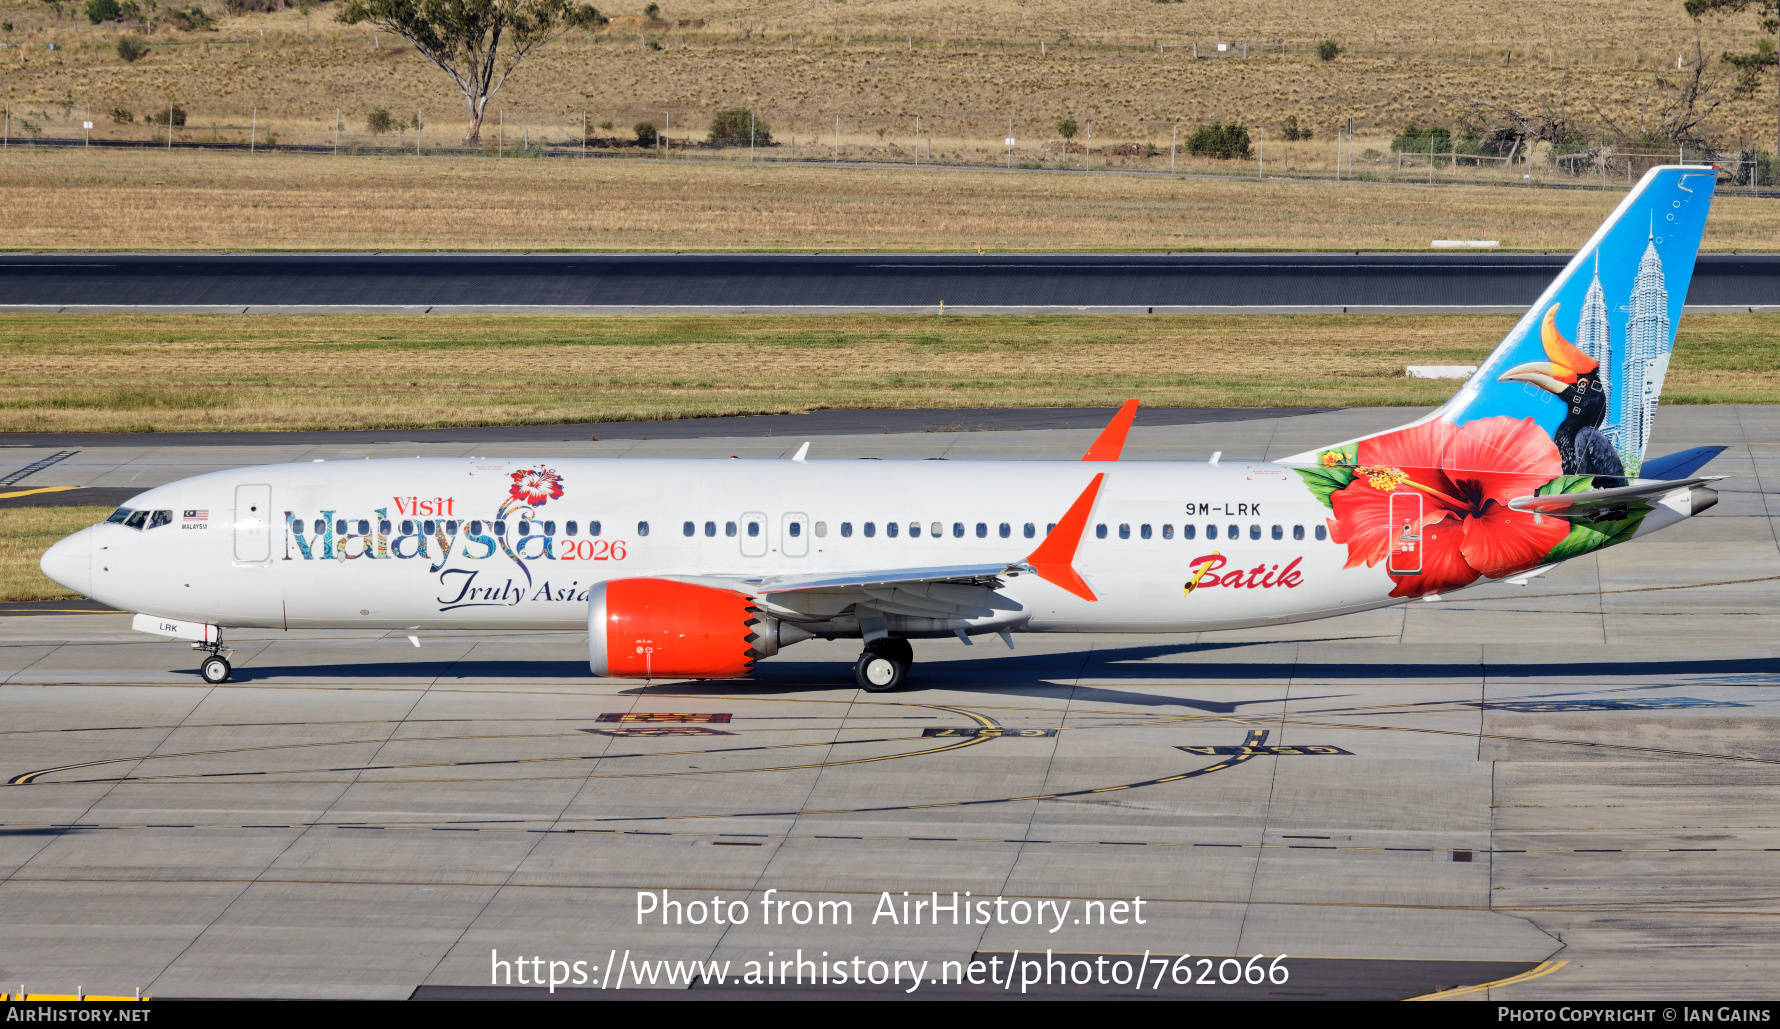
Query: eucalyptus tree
x=465 y=38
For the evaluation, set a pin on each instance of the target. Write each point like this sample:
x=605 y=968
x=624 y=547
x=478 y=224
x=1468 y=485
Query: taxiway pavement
x=1580 y=771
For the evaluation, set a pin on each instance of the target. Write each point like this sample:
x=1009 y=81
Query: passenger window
x=957 y=530
x=982 y=530
x=914 y=529
x=364 y=527
x=871 y=529
x=1100 y=531
x=549 y=528
x=1322 y=531
x=1187 y=532
x=642 y=528
x=936 y=530
x=320 y=526
x=1279 y=532
x=1005 y=530
x=383 y=527
x=1050 y=527
x=475 y=528
x=890 y=529
x=1144 y=531
x=1124 y=530
x=160 y=518
x=796 y=529
x=753 y=529
x=846 y=530
x=408 y=527
x=339 y=526
x=1233 y=532
x=1254 y=532
x=432 y=527
x=568 y=528
x=821 y=529
x=120 y=515
x=688 y=529
x=728 y=529
x=1029 y=531
x=711 y=529
x=1211 y=532
x=1297 y=532
x=525 y=527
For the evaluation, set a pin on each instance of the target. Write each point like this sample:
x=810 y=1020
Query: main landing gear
x=215 y=669
x=883 y=664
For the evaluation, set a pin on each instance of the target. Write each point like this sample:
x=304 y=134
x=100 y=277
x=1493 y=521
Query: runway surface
x=1563 y=788
x=442 y=283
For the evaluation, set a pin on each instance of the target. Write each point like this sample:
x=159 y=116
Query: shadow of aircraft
x=1048 y=674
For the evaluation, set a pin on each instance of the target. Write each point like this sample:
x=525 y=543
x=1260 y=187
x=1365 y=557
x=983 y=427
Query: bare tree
x=1688 y=100
x=463 y=37
x=1521 y=129
x=1767 y=13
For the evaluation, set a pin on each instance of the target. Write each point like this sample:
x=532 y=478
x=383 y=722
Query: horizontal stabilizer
x=1586 y=505
x=1679 y=465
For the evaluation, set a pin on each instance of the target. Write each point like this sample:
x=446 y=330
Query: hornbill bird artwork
x=1575 y=378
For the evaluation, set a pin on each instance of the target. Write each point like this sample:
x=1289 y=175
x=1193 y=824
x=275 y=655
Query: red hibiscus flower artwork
x=1465 y=476
x=533 y=487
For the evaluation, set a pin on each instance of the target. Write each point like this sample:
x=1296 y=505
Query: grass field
x=25 y=533
x=110 y=200
x=964 y=67
x=203 y=372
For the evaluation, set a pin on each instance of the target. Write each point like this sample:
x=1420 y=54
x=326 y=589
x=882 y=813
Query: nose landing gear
x=215 y=669
x=883 y=664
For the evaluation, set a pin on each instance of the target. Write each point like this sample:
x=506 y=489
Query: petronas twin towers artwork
x=1631 y=373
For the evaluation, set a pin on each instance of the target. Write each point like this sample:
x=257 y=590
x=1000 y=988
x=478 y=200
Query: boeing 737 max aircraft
x=696 y=568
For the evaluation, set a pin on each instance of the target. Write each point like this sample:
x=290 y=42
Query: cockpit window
x=160 y=518
x=136 y=519
x=119 y=515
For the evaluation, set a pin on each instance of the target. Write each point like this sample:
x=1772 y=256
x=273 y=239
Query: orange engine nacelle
x=659 y=628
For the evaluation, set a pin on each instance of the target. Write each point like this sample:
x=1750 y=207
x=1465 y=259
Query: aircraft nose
x=70 y=562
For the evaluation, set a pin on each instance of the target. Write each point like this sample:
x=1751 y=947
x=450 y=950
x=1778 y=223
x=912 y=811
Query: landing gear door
x=1406 y=534
x=794 y=536
x=253 y=524
x=753 y=534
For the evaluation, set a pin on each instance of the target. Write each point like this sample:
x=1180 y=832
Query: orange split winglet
x=1112 y=438
x=1054 y=560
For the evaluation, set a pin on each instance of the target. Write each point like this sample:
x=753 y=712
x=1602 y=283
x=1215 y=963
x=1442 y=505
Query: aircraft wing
x=971 y=575
x=928 y=591
x=953 y=591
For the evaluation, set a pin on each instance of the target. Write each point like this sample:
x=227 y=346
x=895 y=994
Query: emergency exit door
x=1406 y=534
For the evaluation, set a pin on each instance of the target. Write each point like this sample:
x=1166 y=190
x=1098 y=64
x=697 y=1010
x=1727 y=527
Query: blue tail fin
x=1587 y=361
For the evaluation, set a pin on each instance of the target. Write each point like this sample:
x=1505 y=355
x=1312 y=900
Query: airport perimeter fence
x=768 y=136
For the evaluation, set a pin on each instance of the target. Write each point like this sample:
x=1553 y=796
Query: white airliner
x=697 y=568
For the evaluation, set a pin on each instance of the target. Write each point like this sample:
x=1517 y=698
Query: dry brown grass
x=801 y=63
x=63 y=373
x=25 y=533
x=107 y=200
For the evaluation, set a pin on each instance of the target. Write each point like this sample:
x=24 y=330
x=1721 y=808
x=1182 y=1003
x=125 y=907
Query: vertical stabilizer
x=1587 y=361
